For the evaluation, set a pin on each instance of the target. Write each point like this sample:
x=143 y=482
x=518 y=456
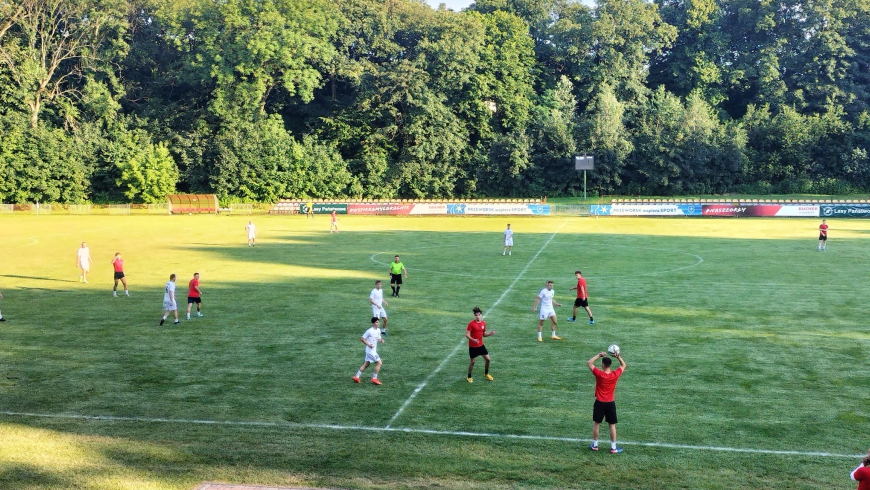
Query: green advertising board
x=324 y=208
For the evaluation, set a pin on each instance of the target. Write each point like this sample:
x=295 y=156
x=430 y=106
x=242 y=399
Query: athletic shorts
x=509 y=242
x=379 y=312
x=823 y=238
x=477 y=351
x=395 y=279
x=547 y=313
x=251 y=236
x=169 y=306
x=581 y=302
x=191 y=300
x=604 y=411
x=372 y=358
x=119 y=275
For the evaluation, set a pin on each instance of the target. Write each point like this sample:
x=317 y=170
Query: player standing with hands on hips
x=582 y=297
x=547 y=302
x=475 y=332
x=605 y=406
x=823 y=235
x=396 y=270
x=371 y=339
x=861 y=474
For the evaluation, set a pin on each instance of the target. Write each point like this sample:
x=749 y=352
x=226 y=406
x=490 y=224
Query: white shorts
x=379 y=312
x=547 y=313
x=169 y=306
x=509 y=242
x=85 y=267
x=251 y=236
x=372 y=357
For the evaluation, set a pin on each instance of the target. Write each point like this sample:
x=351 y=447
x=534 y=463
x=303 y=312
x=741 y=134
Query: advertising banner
x=430 y=208
x=781 y=210
x=646 y=210
x=844 y=211
x=379 y=208
x=499 y=208
x=324 y=208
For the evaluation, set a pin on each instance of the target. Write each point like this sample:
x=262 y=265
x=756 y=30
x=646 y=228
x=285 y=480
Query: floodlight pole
x=584 y=184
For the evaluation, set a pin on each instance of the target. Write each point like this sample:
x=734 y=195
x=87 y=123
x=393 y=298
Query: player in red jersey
x=861 y=474
x=194 y=295
x=823 y=235
x=582 y=298
x=475 y=332
x=604 y=407
x=118 y=265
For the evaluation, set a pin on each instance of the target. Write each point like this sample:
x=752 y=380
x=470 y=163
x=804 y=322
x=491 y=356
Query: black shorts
x=477 y=351
x=191 y=299
x=119 y=275
x=581 y=302
x=395 y=279
x=604 y=411
x=823 y=238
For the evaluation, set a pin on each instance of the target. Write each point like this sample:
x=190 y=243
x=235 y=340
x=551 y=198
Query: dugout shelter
x=192 y=203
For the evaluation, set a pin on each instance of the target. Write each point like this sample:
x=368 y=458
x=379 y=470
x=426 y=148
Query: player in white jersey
x=252 y=233
x=83 y=261
x=545 y=297
x=170 y=304
x=1 y=314
x=508 y=240
x=371 y=339
x=376 y=298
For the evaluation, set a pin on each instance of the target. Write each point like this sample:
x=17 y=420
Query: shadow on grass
x=37 y=278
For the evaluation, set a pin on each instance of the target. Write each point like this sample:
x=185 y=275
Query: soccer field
x=746 y=351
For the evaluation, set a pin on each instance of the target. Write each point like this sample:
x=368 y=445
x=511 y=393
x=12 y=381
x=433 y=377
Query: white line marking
x=409 y=430
x=456 y=349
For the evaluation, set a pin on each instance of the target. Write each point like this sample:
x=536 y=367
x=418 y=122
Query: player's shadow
x=37 y=278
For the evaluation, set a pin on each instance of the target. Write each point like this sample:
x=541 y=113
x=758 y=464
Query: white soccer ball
x=613 y=350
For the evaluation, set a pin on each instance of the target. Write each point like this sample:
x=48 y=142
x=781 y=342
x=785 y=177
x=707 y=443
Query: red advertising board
x=375 y=208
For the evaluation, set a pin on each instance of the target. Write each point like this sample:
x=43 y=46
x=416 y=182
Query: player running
x=371 y=339
x=396 y=270
x=251 y=228
x=475 y=332
x=823 y=235
x=508 y=240
x=376 y=298
x=545 y=297
x=194 y=295
x=83 y=261
x=118 y=265
x=605 y=406
x=170 y=305
x=582 y=298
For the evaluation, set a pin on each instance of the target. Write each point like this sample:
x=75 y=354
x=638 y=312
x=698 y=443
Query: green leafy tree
x=149 y=174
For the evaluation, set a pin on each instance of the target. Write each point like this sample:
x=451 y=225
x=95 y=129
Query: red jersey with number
x=862 y=476
x=605 y=383
x=476 y=328
x=191 y=288
x=823 y=230
x=119 y=264
x=581 y=288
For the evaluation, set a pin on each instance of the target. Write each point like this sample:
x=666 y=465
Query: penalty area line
x=409 y=430
x=458 y=346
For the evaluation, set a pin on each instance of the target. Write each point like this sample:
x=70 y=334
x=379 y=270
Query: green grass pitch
x=747 y=354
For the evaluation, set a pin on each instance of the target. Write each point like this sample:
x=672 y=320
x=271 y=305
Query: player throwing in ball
x=475 y=332
x=605 y=406
x=371 y=338
x=545 y=297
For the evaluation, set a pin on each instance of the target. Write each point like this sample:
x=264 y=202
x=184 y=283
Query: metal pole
x=584 y=185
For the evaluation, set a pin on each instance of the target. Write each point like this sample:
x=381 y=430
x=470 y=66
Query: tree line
x=254 y=100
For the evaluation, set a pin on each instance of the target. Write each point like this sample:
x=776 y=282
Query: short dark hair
x=375 y=319
x=549 y=282
x=578 y=272
x=606 y=362
x=476 y=310
x=378 y=282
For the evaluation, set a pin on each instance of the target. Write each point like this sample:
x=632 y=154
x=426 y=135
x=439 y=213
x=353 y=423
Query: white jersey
x=169 y=293
x=252 y=230
x=372 y=336
x=546 y=296
x=377 y=297
x=508 y=234
x=84 y=257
